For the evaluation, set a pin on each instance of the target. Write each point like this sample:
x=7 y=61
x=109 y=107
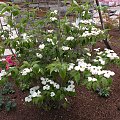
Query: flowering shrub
x=55 y=55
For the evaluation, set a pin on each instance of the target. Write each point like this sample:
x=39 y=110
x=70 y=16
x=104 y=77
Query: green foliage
x=104 y=92
x=76 y=76
x=55 y=49
x=5 y=101
x=10 y=105
x=7 y=89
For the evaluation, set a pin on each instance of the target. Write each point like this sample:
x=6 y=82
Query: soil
x=86 y=105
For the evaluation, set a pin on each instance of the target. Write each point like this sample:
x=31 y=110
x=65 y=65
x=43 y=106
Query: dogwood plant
x=54 y=54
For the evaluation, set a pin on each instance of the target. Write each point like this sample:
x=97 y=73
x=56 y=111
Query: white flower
x=112 y=56
x=95 y=60
x=28 y=99
x=52 y=94
x=50 y=31
x=3 y=73
x=42 y=78
x=65 y=48
x=55 y=12
x=38 y=93
x=89 y=79
x=71 y=81
x=39 y=55
x=99 y=53
x=51 y=82
x=44 y=82
x=88 y=54
x=71 y=66
x=34 y=94
x=75 y=25
x=70 y=38
x=33 y=89
x=108 y=73
x=25 y=71
x=50 y=40
x=41 y=46
x=77 y=68
x=97 y=49
x=102 y=61
x=92 y=79
x=80 y=60
x=46 y=87
x=57 y=86
x=53 y=19
x=70 y=88
x=82 y=68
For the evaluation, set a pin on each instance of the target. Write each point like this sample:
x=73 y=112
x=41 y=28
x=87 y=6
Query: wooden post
x=119 y=20
x=102 y=24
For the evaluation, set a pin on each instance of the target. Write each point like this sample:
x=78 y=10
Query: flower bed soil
x=86 y=105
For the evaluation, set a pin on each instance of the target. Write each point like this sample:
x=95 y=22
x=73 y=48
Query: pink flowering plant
x=56 y=54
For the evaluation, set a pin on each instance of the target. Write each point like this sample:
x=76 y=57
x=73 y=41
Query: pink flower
x=10 y=60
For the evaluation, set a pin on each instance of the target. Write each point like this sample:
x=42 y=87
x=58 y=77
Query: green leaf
x=76 y=76
x=25 y=64
x=36 y=68
x=89 y=85
x=104 y=82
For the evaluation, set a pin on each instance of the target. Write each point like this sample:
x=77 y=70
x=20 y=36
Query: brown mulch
x=86 y=105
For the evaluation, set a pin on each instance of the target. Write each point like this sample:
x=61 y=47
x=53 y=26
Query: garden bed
x=86 y=105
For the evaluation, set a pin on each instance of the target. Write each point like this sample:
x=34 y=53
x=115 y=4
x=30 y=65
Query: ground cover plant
x=56 y=55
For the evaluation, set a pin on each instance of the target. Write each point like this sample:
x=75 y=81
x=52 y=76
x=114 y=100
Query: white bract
x=41 y=46
x=34 y=92
x=54 y=12
x=3 y=73
x=70 y=87
x=25 y=71
x=50 y=31
x=65 y=48
x=46 y=87
x=108 y=73
x=39 y=55
x=89 y=54
x=52 y=94
x=70 y=38
x=53 y=19
x=28 y=99
x=92 y=79
x=50 y=40
x=71 y=66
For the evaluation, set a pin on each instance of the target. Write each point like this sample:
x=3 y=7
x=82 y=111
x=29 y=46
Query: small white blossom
x=97 y=49
x=108 y=73
x=92 y=79
x=71 y=66
x=50 y=40
x=54 y=12
x=3 y=73
x=46 y=87
x=41 y=46
x=77 y=68
x=52 y=94
x=65 y=48
x=88 y=54
x=25 y=71
x=57 y=86
x=53 y=19
x=39 y=55
x=50 y=31
x=28 y=99
x=70 y=38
